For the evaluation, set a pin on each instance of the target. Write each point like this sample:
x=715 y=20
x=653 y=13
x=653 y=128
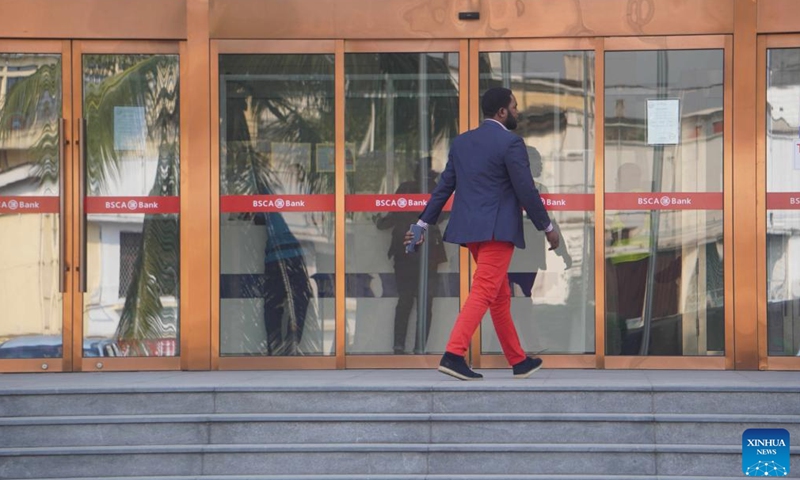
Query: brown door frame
x=79 y=48
x=218 y=362
x=765 y=43
x=588 y=360
x=61 y=47
x=339 y=48
x=409 y=46
x=724 y=42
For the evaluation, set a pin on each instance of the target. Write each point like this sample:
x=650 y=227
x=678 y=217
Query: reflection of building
x=783 y=226
x=29 y=244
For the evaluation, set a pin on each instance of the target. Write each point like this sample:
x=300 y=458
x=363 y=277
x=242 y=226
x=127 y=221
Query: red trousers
x=490 y=291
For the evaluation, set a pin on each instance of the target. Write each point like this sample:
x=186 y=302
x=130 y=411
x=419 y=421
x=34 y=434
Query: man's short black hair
x=494 y=99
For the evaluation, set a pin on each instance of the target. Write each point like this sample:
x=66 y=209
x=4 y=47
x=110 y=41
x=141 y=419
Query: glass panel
x=132 y=114
x=30 y=301
x=783 y=201
x=664 y=219
x=552 y=291
x=277 y=250
x=401 y=114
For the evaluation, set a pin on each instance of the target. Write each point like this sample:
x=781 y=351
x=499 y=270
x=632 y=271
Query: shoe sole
x=457 y=375
x=527 y=374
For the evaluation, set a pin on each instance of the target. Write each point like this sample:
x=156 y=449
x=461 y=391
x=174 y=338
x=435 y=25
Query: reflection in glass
x=401 y=113
x=131 y=108
x=664 y=268
x=783 y=218
x=276 y=267
x=30 y=301
x=552 y=291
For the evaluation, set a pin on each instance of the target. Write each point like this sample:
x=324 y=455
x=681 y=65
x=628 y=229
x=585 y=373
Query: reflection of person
x=491 y=168
x=287 y=289
x=285 y=285
x=537 y=241
x=627 y=269
x=406 y=269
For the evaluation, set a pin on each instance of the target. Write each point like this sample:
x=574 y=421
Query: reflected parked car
x=32 y=346
x=50 y=346
x=100 y=347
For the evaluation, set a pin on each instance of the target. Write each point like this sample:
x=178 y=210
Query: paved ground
x=645 y=380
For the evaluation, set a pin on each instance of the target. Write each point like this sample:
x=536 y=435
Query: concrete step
x=397 y=459
x=414 y=477
x=526 y=400
x=389 y=425
x=542 y=428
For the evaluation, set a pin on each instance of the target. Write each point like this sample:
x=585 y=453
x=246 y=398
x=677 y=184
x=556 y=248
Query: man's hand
x=553 y=238
x=410 y=237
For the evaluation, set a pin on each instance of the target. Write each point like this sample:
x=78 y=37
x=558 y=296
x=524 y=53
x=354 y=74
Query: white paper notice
x=130 y=130
x=663 y=122
x=797 y=153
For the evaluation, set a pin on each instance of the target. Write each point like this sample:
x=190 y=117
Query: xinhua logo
x=765 y=452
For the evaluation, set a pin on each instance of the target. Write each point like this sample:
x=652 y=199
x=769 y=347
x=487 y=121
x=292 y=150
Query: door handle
x=62 y=252
x=82 y=208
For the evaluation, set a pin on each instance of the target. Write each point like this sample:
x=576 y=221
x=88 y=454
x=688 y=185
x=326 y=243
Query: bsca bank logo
x=665 y=201
x=402 y=202
x=13 y=205
x=279 y=203
x=132 y=204
x=765 y=452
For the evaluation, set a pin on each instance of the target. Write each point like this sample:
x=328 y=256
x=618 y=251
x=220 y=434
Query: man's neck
x=497 y=121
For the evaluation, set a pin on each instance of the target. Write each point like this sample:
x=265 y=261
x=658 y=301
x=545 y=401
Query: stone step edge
x=604 y=448
x=409 y=477
x=394 y=417
x=444 y=387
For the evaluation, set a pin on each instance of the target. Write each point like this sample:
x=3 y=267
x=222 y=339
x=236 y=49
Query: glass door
x=35 y=329
x=274 y=228
x=403 y=105
x=779 y=192
x=667 y=216
x=127 y=124
x=552 y=292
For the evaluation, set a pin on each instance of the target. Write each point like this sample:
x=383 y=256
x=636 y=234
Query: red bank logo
x=131 y=205
x=400 y=202
x=278 y=203
x=19 y=205
x=550 y=202
x=664 y=201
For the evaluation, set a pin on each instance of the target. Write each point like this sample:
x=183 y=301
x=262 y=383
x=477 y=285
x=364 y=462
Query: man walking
x=489 y=171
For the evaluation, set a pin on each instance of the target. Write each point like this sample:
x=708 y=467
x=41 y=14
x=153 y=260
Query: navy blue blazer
x=489 y=170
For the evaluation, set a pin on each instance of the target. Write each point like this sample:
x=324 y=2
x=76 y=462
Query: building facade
x=223 y=184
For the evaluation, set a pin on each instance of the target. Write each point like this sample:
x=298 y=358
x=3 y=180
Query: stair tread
x=410 y=477
x=375 y=447
x=393 y=417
